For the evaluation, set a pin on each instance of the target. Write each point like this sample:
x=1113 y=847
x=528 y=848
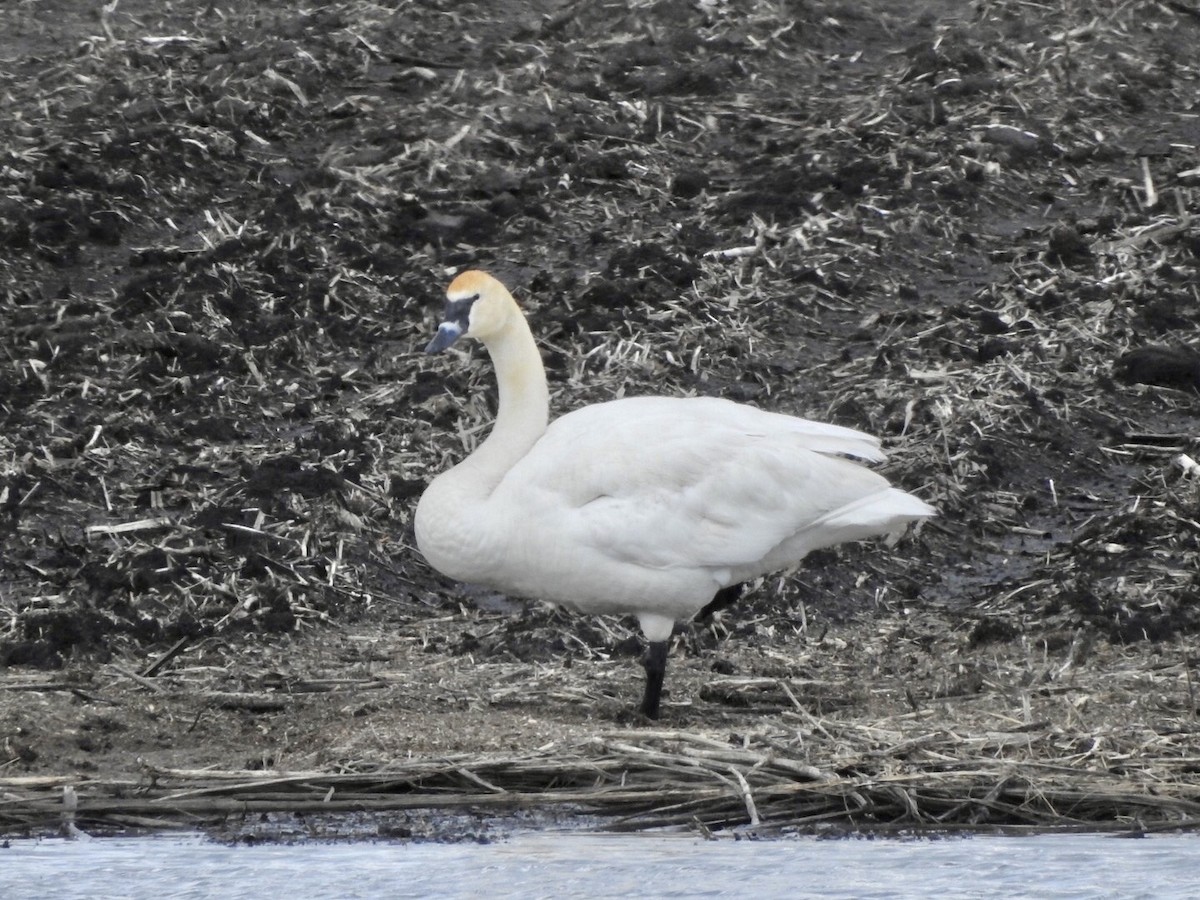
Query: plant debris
x=225 y=230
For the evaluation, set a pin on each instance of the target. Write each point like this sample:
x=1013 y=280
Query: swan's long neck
x=457 y=529
x=524 y=401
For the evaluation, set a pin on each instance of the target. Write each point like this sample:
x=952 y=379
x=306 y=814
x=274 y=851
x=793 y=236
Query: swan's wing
x=661 y=482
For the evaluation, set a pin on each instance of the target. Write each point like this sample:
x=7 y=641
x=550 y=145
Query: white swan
x=654 y=506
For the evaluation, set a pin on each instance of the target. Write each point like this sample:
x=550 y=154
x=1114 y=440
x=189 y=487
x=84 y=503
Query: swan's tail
x=885 y=512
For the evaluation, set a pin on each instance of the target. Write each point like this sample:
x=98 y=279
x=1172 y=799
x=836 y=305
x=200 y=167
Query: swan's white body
x=645 y=505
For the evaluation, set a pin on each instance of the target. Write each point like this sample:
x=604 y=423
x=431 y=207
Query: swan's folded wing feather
x=732 y=516
x=693 y=483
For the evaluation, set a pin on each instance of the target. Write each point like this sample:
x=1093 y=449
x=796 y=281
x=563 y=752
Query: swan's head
x=477 y=305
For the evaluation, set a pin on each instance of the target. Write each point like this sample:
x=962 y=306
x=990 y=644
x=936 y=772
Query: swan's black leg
x=723 y=598
x=655 y=663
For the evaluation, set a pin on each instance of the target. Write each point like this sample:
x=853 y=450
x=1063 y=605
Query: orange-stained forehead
x=469 y=282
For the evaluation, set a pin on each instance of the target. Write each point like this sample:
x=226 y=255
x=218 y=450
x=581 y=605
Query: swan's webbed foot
x=725 y=597
x=655 y=663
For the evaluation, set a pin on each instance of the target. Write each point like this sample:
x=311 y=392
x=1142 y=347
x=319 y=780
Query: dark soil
x=224 y=234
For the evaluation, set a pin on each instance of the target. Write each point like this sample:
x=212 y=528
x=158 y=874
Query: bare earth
x=970 y=229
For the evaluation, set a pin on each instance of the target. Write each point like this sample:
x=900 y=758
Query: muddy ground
x=224 y=233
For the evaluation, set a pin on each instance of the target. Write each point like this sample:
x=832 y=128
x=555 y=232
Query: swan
x=659 y=507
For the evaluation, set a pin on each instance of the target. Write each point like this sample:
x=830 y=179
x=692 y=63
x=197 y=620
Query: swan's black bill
x=447 y=334
x=456 y=319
